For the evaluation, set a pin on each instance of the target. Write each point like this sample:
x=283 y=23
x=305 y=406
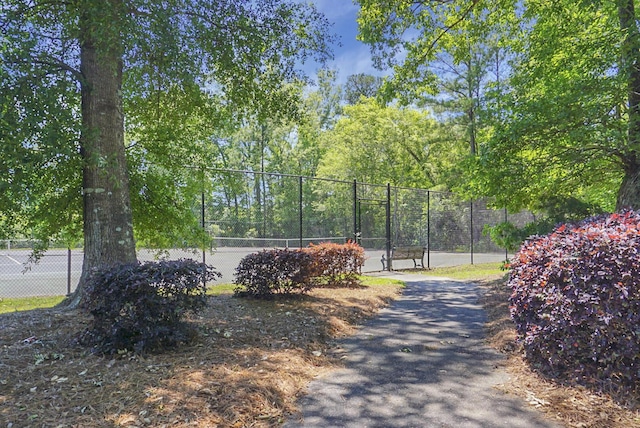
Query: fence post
x=204 y=228
x=68 y=270
x=506 y=250
x=300 y=208
x=355 y=212
x=428 y=229
x=388 y=227
x=471 y=229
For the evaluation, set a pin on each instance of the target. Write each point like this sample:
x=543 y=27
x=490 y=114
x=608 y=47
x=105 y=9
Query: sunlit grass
x=219 y=289
x=27 y=303
x=474 y=272
x=8 y=305
x=376 y=281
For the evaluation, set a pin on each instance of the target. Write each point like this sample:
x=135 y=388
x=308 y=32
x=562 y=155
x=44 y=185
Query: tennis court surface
x=58 y=271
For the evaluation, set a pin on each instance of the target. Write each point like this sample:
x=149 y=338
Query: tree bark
x=629 y=191
x=108 y=222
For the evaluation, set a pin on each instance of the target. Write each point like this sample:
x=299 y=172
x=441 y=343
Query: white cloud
x=352 y=57
x=336 y=10
x=355 y=60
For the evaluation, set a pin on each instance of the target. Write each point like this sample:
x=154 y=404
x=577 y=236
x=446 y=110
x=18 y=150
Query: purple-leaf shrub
x=140 y=306
x=277 y=271
x=576 y=301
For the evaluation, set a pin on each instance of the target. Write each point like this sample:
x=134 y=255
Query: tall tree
x=69 y=69
x=563 y=129
x=361 y=85
x=629 y=192
x=467 y=80
x=569 y=124
x=378 y=144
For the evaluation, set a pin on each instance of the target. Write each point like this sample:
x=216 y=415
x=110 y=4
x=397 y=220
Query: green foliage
x=377 y=144
x=361 y=86
x=544 y=93
x=140 y=307
x=563 y=127
x=553 y=211
x=576 y=301
x=505 y=235
x=191 y=71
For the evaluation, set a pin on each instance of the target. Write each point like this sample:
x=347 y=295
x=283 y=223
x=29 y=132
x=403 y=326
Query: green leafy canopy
x=191 y=70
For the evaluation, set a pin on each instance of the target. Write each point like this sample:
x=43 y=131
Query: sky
x=353 y=56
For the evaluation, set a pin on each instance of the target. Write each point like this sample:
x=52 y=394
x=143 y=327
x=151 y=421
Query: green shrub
x=276 y=271
x=576 y=301
x=553 y=210
x=139 y=306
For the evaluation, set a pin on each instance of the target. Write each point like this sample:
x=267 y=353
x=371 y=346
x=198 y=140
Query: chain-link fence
x=243 y=212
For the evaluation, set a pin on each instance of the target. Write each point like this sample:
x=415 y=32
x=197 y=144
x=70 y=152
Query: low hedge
x=277 y=271
x=289 y=271
x=140 y=306
x=576 y=301
x=337 y=264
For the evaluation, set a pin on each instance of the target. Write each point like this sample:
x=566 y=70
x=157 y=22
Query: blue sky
x=352 y=57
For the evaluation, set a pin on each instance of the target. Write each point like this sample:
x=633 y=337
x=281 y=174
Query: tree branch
x=61 y=66
x=448 y=28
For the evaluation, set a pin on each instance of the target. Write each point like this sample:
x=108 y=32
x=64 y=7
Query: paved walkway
x=420 y=363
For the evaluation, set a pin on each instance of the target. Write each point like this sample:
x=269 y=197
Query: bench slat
x=405 y=253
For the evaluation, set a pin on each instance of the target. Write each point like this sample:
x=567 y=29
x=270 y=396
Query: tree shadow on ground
x=420 y=362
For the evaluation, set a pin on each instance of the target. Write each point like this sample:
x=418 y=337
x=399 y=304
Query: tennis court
x=50 y=276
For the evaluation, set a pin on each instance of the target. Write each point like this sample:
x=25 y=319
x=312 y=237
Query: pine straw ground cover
x=253 y=359
x=574 y=406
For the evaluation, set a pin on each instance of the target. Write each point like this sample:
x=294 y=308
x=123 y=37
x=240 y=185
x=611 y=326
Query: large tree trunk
x=629 y=192
x=108 y=223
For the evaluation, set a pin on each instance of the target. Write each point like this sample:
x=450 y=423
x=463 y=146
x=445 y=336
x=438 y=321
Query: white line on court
x=11 y=258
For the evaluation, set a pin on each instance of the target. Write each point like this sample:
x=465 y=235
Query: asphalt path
x=48 y=277
x=421 y=362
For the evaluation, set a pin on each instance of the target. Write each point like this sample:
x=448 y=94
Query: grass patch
x=371 y=281
x=472 y=272
x=8 y=305
x=220 y=289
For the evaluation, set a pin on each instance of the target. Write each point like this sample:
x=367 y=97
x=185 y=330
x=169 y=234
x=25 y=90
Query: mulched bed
x=572 y=405
x=252 y=360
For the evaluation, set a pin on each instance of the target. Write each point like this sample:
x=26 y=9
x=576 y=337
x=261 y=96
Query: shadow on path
x=420 y=363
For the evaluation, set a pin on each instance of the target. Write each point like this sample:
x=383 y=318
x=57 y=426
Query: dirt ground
x=574 y=406
x=252 y=361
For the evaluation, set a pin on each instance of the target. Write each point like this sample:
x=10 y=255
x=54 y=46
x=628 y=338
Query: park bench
x=405 y=253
